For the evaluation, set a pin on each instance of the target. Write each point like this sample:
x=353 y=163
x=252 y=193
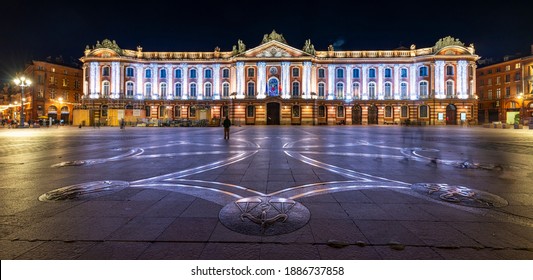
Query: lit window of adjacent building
x=498 y=93
x=105 y=88
x=507 y=67
x=508 y=92
x=516 y=66
x=356 y=90
x=489 y=94
x=498 y=80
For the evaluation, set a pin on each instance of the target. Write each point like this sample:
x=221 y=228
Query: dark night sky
x=37 y=29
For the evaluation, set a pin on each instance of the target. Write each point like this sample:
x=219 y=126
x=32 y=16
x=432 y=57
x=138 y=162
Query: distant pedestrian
x=226 y=124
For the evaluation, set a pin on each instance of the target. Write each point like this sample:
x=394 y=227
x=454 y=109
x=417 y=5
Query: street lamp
x=22 y=82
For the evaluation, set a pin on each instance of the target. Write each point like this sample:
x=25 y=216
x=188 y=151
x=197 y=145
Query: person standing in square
x=226 y=124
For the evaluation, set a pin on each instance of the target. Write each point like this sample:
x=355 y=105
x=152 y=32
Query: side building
x=505 y=90
x=275 y=83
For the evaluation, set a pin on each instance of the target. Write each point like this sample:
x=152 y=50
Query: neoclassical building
x=276 y=83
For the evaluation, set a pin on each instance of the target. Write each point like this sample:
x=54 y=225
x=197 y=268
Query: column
x=115 y=79
x=313 y=80
x=379 y=87
x=349 y=73
x=412 y=82
x=200 y=82
x=331 y=82
x=462 y=79
x=240 y=80
x=170 y=82
x=473 y=83
x=216 y=81
x=285 y=72
x=140 y=88
x=185 y=83
x=396 y=81
x=155 y=75
x=440 y=91
x=95 y=79
x=261 y=80
x=306 y=79
x=364 y=81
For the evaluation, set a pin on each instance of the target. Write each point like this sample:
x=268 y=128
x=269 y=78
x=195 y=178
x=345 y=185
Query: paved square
x=269 y=192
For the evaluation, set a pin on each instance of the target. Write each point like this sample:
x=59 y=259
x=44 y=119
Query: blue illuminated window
x=321 y=73
x=403 y=73
x=178 y=73
x=130 y=72
x=225 y=73
x=208 y=73
x=371 y=73
x=355 y=73
x=388 y=72
x=192 y=73
x=340 y=73
x=148 y=73
x=423 y=71
x=163 y=73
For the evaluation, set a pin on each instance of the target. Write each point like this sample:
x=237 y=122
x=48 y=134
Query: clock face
x=273 y=70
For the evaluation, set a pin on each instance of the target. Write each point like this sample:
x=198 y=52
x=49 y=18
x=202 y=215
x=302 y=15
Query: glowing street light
x=22 y=82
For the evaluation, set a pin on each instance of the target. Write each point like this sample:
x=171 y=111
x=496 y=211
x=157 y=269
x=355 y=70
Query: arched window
x=251 y=87
x=449 y=70
x=225 y=89
x=372 y=91
x=163 y=73
x=388 y=111
x=147 y=89
x=404 y=111
x=129 y=89
x=340 y=111
x=163 y=89
x=177 y=111
x=105 y=88
x=388 y=72
x=295 y=72
x=178 y=73
x=423 y=111
x=177 y=89
x=130 y=72
x=295 y=88
x=321 y=89
x=423 y=91
x=355 y=73
x=225 y=73
x=105 y=71
x=356 y=91
x=371 y=73
x=403 y=90
x=192 y=73
x=321 y=73
x=208 y=73
x=339 y=90
x=192 y=90
x=207 y=90
x=449 y=88
x=340 y=73
x=388 y=90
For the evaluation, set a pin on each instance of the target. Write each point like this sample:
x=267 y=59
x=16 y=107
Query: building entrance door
x=372 y=114
x=451 y=115
x=357 y=115
x=273 y=112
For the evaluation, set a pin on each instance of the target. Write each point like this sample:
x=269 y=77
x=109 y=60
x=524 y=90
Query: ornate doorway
x=451 y=114
x=273 y=112
x=372 y=114
x=357 y=115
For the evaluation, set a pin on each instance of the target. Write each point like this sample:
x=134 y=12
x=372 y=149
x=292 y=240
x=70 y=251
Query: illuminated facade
x=505 y=90
x=275 y=83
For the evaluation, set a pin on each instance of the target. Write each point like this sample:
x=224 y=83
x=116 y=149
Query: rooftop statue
x=308 y=47
x=273 y=36
x=447 y=41
x=106 y=43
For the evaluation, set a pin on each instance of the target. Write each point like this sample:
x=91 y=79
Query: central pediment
x=274 y=49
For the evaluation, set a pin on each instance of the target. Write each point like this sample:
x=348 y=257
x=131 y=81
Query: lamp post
x=22 y=82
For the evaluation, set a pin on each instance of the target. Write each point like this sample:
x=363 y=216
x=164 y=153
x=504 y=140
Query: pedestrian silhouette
x=226 y=124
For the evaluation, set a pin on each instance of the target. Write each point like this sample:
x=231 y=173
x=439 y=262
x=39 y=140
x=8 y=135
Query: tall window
x=321 y=73
x=388 y=111
x=404 y=112
x=295 y=72
x=356 y=91
x=225 y=73
x=371 y=73
x=321 y=111
x=388 y=72
x=177 y=111
x=339 y=91
x=208 y=73
x=130 y=72
x=250 y=111
x=129 y=89
x=388 y=91
x=295 y=89
x=403 y=73
x=105 y=88
x=449 y=88
x=340 y=111
x=148 y=89
x=251 y=87
x=355 y=73
x=321 y=89
x=251 y=72
x=192 y=73
x=207 y=90
x=340 y=73
x=178 y=73
x=163 y=73
x=423 y=71
x=423 y=89
x=372 y=91
x=403 y=90
x=192 y=90
x=105 y=71
x=148 y=73
x=423 y=111
x=163 y=89
x=177 y=89
x=449 y=70
x=225 y=90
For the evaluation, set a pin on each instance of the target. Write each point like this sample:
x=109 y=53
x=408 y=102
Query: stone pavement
x=270 y=192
